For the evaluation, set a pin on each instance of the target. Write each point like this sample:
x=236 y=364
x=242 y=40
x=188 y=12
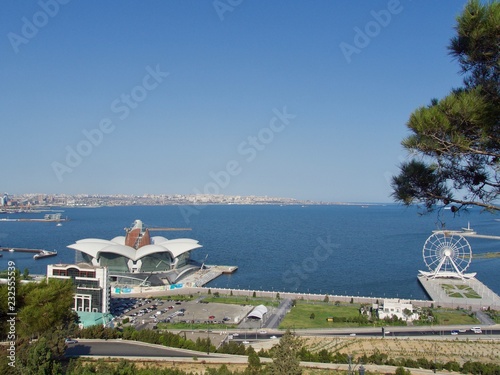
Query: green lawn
x=452 y=317
x=300 y=315
x=242 y=300
x=195 y=326
x=459 y=291
x=495 y=315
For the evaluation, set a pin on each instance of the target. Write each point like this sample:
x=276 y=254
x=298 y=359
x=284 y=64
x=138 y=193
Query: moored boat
x=44 y=254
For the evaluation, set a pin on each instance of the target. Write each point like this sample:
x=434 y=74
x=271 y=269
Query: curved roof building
x=138 y=252
x=258 y=312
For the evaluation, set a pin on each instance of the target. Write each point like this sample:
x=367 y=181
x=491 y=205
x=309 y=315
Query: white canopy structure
x=258 y=312
x=137 y=251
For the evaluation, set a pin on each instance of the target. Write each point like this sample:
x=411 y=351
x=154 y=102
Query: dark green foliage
x=402 y=371
x=457 y=138
x=46 y=306
x=254 y=366
x=232 y=347
x=286 y=358
x=41 y=357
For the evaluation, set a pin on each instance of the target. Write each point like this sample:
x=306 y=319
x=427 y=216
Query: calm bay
x=366 y=250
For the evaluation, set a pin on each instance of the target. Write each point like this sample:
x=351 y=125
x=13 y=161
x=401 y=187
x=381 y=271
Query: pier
x=207 y=274
x=39 y=253
x=48 y=218
x=469 y=294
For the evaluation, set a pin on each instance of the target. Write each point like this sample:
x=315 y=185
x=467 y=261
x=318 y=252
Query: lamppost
x=208 y=335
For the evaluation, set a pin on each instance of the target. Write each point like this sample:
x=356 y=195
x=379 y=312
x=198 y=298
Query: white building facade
x=402 y=309
x=92 y=287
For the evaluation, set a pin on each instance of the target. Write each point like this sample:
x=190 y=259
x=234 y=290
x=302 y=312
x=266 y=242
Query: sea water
x=366 y=250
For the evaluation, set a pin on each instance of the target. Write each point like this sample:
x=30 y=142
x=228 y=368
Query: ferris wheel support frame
x=447 y=258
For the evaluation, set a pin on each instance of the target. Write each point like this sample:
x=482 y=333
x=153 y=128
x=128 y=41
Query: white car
x=273 y=337
x=476 y=330
x=246 y=342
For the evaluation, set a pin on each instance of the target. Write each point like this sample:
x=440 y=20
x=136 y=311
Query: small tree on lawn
x=286 y=359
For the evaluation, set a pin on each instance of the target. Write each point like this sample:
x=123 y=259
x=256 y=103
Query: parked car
x=70 y=341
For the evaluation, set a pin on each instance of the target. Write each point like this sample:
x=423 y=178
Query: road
x=118 y=348
x=274 y=320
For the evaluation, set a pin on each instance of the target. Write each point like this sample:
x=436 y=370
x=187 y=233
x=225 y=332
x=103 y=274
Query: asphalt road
x=117 y=348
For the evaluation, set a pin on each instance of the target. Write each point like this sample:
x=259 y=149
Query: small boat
x=58 y=225
x=44 y=254
x=11 y=250
x=468 y=230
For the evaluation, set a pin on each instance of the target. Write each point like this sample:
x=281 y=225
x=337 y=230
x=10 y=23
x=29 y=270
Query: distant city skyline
x=33 y=200
x=301 y=100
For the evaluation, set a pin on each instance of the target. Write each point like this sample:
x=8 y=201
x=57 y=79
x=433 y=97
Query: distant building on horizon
x=4 y=199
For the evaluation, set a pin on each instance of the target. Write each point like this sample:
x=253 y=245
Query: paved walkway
x=275 y=319
x=453 y=293
x=484 y=319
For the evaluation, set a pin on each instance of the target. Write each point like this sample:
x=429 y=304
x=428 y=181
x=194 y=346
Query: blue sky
x=277 y=98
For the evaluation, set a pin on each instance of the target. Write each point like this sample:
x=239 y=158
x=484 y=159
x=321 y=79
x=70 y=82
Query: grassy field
x=300 y=315
x=459 y=291
x=242 y=300
x=448 y=316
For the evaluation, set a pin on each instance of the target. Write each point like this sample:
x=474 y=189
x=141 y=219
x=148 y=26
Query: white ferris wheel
x=448 y=255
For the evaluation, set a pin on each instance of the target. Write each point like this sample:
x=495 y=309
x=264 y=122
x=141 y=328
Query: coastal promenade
x=308 y=297
x=469 y=294
x=438 y=295
x=194 y=284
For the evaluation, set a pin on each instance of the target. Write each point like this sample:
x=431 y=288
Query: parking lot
x=148 y=312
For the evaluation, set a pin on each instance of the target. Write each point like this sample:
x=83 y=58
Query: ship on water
x=45 y=254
